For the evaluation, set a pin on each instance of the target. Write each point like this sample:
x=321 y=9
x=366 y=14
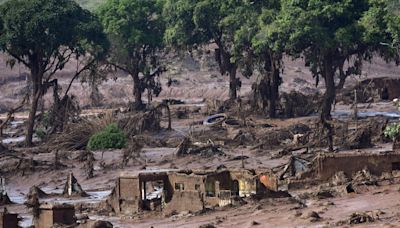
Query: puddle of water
x=343 y=114
x=13 y=140
x=94 y=197
x=99 y=195
x=18 y=139
x=15 y=124
x=18 y=199
x=27 y=220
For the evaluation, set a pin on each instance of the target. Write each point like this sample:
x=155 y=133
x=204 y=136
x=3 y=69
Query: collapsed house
x=325 y=166
x=176 y=191
x=376 y=164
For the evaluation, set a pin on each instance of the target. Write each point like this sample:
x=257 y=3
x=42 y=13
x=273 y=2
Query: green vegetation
x=135 y=29
x=327 y=34
x=392 y=131
x=41 y=133
x=191 y=23
x=334 y=38
x=110 y=138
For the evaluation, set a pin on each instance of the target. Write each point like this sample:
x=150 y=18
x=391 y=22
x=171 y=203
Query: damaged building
x=170 y=191
x=51 y=214
x=326 y=166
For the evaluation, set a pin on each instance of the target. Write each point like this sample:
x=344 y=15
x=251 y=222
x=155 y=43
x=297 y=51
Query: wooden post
x=355 y=108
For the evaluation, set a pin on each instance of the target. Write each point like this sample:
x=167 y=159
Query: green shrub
x=41 y=133
x=110 y=138
x=392 y=131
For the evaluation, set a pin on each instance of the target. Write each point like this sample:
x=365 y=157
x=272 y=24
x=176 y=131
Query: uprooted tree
x=136 y=30
x=44 y=35
x=334 y=40
x=191 y=23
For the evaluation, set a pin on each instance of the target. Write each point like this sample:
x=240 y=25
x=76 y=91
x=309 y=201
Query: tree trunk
x=232 y=82
x=223 y=59
x=137 y=91
x=328 y=100
x=32 y=114
x=274 y=91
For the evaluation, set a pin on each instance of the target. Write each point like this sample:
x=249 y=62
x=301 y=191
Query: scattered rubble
x=102 y=224
x=296 y=104
x=372 y=90
x=284 y=136
x=361 y=139
x=312 y=216
x=359 y=218
x=364 y=177
x=203 y=149
x=36 y=191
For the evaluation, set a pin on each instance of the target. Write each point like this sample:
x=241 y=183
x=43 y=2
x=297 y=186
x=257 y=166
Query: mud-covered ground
x=198 y=85
x=378 y=201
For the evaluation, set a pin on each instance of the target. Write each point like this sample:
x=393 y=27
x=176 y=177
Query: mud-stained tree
x=325 y=34
x=135 y=29
x=191 y=23
x=258 y=46
x=332 y=37
x=44 y=35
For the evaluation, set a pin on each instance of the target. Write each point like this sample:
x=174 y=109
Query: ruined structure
x=51 y=214
x=72 y=187
x=175 y=191
x=328 y=165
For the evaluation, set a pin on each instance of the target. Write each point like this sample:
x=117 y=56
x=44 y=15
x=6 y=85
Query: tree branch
x=17 y=58
x=77 y=75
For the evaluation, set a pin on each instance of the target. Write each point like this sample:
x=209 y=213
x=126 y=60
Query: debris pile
x=242 y=138
x=361 y=139
x=187 y=147
x=102 y=224
x=76 y=135
x=371 y=90
x=132 y=151
x=137 y=123
x=358 y=218
x=36 y=191
x=284 y=136
x=364 y=177
x=296 y=104
x=339 y=178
